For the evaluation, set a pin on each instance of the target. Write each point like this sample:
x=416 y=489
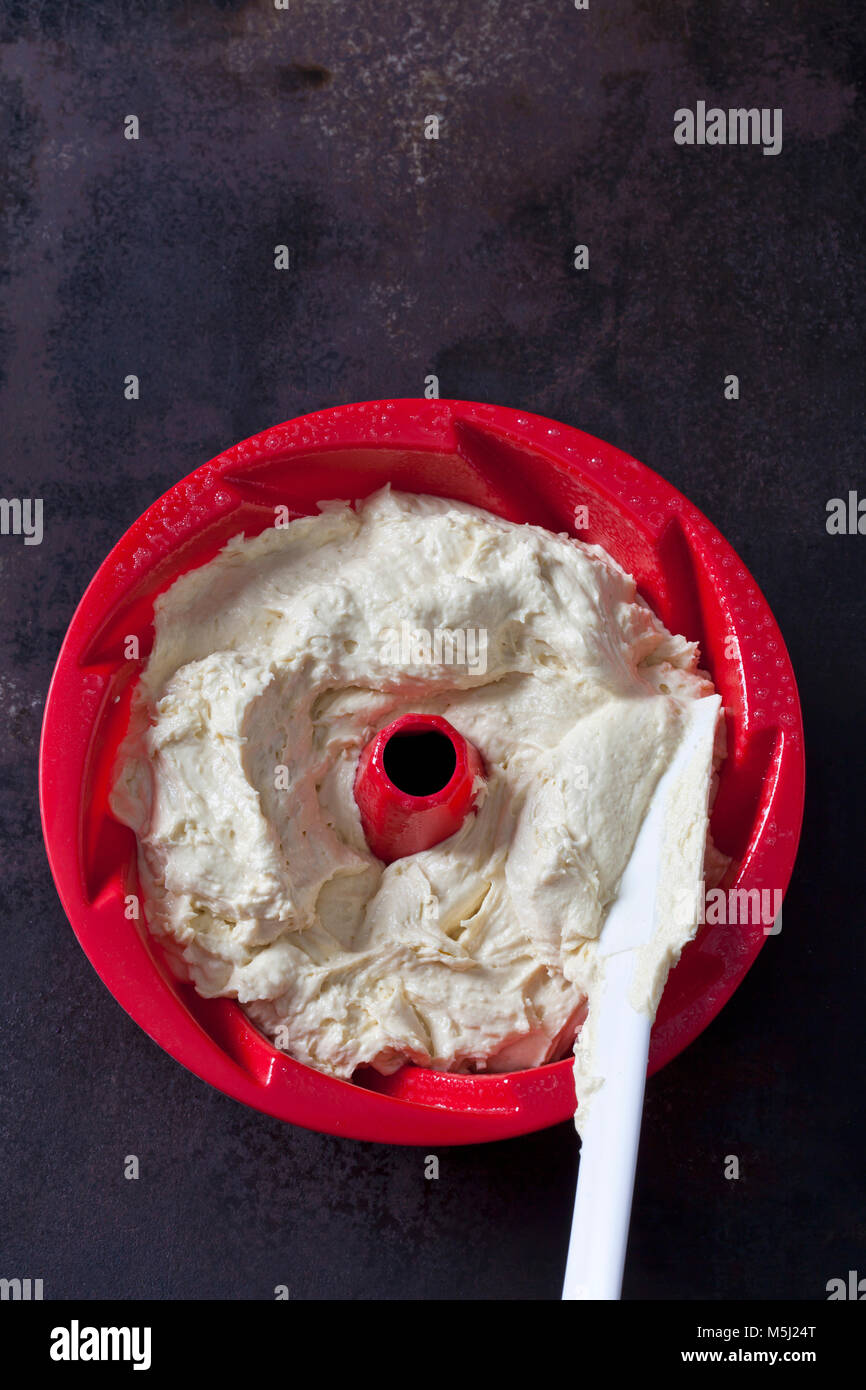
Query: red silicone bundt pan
x=521 y=467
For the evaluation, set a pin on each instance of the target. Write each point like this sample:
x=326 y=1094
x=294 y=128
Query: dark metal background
x=413 y=257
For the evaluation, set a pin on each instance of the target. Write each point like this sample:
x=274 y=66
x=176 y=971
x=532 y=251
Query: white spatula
x=610 y=1126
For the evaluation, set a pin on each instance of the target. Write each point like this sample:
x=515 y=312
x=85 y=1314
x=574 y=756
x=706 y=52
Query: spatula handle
x=610 y=1138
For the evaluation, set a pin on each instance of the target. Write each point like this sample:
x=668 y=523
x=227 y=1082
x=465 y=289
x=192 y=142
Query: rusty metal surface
x=411 y=257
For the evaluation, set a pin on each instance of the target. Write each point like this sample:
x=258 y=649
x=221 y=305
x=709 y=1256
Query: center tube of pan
x=417 y=780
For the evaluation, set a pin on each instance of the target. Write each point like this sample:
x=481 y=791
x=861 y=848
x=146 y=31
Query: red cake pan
x=526 y=469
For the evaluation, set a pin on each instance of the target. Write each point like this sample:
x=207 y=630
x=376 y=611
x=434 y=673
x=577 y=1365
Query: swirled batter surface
x=274 y=664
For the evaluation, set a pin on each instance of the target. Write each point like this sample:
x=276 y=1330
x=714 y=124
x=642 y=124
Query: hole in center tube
x=420 y=764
